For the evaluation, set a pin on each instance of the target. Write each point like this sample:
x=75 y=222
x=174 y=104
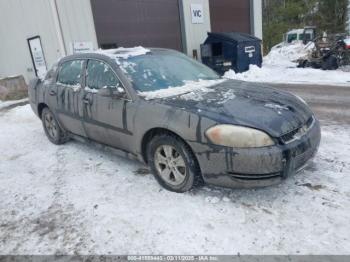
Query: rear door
x=70 y=96
x=105 y=118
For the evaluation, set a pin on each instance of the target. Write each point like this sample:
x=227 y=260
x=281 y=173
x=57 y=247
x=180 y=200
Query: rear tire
x=52 y=129
x=173 y=164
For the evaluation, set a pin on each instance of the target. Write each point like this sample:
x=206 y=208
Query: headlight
x=238 y=136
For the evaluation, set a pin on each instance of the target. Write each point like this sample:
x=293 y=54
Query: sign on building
x=82 y=47
x=197 y=14
x=37 y=55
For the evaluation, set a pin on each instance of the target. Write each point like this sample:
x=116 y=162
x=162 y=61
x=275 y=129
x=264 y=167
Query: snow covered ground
x=78 y=199
x=279 y=67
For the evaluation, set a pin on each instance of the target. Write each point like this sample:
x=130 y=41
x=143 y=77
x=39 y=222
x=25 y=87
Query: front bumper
x=256 y=167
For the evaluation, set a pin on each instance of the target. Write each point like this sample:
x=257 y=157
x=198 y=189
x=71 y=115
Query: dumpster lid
x=234 y=36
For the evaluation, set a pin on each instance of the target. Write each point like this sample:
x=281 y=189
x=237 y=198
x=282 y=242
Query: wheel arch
x=41 y=107
x=147 y=137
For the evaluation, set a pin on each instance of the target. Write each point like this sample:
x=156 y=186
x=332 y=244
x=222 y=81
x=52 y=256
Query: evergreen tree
x=332 y=15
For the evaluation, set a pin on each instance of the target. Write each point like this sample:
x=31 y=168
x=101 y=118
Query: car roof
x=295 y=31
x=113 y=54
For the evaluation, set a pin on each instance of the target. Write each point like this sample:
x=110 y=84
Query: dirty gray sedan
x=178 y=116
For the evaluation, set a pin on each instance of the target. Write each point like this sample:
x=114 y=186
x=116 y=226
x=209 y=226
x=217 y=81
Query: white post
x=257 y=18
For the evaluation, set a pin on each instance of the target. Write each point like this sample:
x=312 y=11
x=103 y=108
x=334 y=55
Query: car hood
x=248 y=104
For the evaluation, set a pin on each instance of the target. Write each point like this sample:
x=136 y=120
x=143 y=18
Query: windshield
x=164 y=69
x=292 y=37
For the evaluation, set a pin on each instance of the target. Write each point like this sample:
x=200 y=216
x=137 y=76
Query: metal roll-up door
x=150 y=23
x=230 y=15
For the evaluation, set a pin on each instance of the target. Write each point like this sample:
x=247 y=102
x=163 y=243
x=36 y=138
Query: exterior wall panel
x=194 y=34
x=22 y=19
x=77 y=22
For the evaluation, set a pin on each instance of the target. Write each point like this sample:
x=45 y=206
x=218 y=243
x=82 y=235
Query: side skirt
x=115 y=151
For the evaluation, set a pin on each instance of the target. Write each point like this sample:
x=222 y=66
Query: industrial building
x=36 y=33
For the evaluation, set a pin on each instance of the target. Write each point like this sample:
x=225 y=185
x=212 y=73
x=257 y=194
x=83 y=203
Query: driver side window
x=100 y=75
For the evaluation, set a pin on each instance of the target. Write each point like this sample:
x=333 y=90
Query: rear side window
x=51 y=73
x=70 y=73
x=99 y=75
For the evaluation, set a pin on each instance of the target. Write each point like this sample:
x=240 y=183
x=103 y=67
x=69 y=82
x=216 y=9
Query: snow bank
x=280 y=66
x=280 y=74
x=189 y=87
x=287 y=54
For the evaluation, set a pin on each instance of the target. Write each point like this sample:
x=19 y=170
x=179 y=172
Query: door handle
x=87 y=101
x=52 y=93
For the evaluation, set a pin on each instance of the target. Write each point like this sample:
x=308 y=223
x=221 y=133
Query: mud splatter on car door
x=70 y=95
x=106 y=106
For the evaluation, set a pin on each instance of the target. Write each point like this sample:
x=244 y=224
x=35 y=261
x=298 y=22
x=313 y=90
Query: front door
x=70 y=96
x=105 y=116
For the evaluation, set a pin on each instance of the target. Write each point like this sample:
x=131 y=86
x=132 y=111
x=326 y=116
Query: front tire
x=173 y=164
x=52 y=129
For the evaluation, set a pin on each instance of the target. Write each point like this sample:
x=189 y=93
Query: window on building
x=99 y=75
x=70 y=73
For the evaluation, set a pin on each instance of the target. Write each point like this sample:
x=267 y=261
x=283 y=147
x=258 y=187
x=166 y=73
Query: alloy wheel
x=51 y=125
x=170 y=165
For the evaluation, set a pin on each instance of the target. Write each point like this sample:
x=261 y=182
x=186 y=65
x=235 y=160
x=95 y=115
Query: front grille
x=289 y=136
x=298 y=132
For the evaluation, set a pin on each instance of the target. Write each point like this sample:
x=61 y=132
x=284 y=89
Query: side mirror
x=118 y=92
x=112 y=91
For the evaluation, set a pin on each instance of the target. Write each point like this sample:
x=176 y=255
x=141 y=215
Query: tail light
x=347 y=43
